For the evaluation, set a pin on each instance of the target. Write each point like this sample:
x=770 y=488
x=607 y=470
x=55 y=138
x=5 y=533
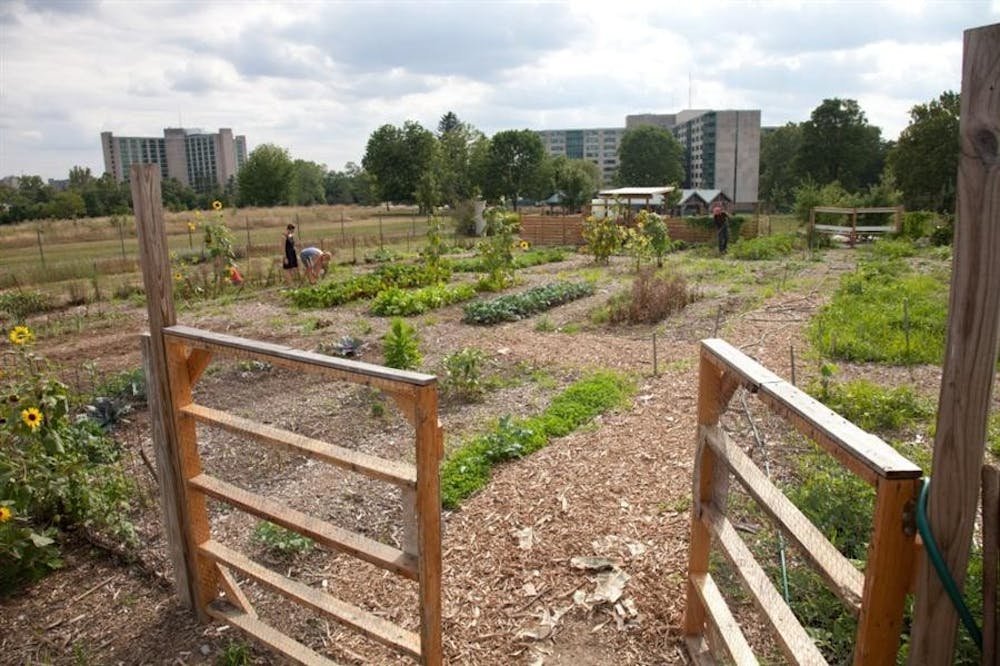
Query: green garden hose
x=930 y=545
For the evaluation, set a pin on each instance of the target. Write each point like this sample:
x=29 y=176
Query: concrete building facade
x=721 y=148
x=599 y=146
x=196 y=158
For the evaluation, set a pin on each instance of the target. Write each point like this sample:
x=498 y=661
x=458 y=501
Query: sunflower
x=20 y=335
x=192 y=226
x=178 y=277
x=5 y=514
x=32 y=417
x=525 y=245
x=216 y=205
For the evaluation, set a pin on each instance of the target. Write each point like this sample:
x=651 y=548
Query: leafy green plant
x=234 y=654
x=707 y=223
x=281 y=542
x=400 y=346
x=917 y=224
x=467 y=469
x=891 y=248
x=347 y=346
x=382 y=255
x=518 y=306
x=655 y=230
x=56 y=471
x=369 y=285
x=870 y=406
x=521 y=260
x=763 y=247
x=463 y=374
x=603 y=236
x=396 y=302
x=636 y=245
x=942 y=234
x=496 y=250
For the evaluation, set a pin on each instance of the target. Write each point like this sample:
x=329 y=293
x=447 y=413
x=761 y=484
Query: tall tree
x=266 y=177
x=513 y=164
x=838 y=144
x=453 y=173
x=778 y=175
x=578 y=180
x=80 y=178
x=924 y=162
x=396 y=159
x=449 y=123
x=307 y=186
x=649 y=156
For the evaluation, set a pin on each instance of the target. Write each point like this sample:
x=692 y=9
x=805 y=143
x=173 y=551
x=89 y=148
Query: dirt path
x=618 y=489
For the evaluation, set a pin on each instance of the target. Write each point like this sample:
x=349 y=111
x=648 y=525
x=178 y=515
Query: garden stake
x=121 y=235
x=906 y=326
x=656 y=371
x=248 y=240
x=718 y=315
x=791 y=352
x=380 y=232
x=40 y=253
x=343 y=237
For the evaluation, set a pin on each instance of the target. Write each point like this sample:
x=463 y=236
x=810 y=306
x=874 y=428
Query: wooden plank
x=794 y=641
x=852 y=211
x=198 y=361
x=840 y=575
x=388 y=379
x=170 y=485
x=269 y=636
x=970 y=348
x=698 y=651
x=369 y=550
x=864 y=453
x=702 y=492
x=369 y=624
x=430 y=449
x=733 y=640
x=233 y=592
x=991 y=560
x=399 y=473
x=888 y=572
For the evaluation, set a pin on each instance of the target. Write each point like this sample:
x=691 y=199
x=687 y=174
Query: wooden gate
x=175 y=357
x=876 y=597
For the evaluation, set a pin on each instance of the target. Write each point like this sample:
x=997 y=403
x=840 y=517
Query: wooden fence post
x=41 y=253
x=430 y=449
x=155 y=263
x=970 y=350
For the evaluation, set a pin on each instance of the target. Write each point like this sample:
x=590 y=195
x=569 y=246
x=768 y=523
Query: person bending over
x=315 y=262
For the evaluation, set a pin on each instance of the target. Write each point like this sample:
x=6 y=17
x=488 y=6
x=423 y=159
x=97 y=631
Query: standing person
x=315 y=261
x=721 y=219
x=291 y=262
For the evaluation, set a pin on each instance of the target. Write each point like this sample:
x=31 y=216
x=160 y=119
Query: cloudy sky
x=318 y=77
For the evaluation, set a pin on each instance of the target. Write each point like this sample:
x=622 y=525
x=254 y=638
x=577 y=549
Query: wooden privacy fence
x=876 y=597
x=568 y=230
x=175 y=358
x=852 y=231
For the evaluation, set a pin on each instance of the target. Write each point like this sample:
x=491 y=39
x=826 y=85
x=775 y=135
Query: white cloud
x=318 y=78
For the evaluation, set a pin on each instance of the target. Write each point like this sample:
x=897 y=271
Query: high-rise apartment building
x=600 y=146
x=721 y=148
x=196 y=158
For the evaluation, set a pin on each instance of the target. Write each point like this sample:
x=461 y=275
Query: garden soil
x=618 y=489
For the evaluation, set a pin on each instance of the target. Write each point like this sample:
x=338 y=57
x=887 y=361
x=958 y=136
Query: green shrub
x=917 y=224
x=281 y=542
x=496 y=250
x=864 y=321
x=943 y=234
x=521 y=260
x=707 y=222
x=518 y=306
x=396 y=302
x=21 y=304
x=463 y=374
x=56 y=471
x=400 y=346
x=467 y=469
x=763 y=247
x=891 y=248
x=652 y=299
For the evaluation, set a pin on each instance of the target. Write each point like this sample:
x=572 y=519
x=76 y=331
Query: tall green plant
x=603 y=237
x=401 y=346
x=655 y=230
x=496 y=250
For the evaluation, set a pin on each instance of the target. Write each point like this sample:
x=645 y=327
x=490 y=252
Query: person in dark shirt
x=721 y=219
x=291 y=262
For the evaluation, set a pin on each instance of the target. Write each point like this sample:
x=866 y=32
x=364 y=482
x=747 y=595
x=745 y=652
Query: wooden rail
x=175 y=358
x=876 y=596
x=854 y=229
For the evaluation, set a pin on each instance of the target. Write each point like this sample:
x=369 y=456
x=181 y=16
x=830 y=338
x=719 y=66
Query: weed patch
x=762 y=248
x=652 y=298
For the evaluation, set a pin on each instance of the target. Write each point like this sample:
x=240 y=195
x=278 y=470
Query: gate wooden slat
x=371 y=625
x=269 y=636
x=729 y=630
x=840 y=575
x=369 y=550
x=401 y=474
x=795 y=642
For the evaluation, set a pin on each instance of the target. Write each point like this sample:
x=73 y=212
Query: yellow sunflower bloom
x=216 y=205
x=5 y=514
x=21 y=335
x=192 y=226
x=525 y=245
x=32 y=417
x=178 y=277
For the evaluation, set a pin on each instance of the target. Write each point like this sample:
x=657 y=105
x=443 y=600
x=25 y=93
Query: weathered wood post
x=178 y=519
x=971 y=349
